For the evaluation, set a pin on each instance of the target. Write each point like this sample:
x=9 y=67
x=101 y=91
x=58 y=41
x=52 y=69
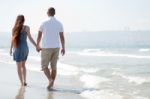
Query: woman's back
x=21 y=52
x=23 y=39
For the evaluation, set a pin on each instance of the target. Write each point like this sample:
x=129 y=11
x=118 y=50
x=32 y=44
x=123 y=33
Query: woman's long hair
x=17 y=29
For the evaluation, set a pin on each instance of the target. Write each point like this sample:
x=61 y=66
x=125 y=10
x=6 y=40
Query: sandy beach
x=10 y=87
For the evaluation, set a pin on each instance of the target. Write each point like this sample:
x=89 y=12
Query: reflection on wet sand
x=50 y=95
x=20 y=94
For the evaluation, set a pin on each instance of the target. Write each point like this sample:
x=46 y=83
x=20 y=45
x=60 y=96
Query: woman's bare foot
x=25 y=84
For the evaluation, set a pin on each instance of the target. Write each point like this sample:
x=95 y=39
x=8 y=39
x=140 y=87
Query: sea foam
x=101 y=94
x=98 y=52
x=92 y=81
x=132 y=79
x=144 y=49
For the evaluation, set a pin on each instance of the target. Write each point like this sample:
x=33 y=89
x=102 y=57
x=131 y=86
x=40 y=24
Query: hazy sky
x=79 y=15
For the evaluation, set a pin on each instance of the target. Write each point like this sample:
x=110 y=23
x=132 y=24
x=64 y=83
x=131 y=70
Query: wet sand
x=10 y=87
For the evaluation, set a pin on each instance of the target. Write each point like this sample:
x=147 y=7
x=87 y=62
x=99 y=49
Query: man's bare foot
x=51 y=83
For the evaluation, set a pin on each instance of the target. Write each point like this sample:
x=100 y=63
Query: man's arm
x=38 y=41
x=62 y=39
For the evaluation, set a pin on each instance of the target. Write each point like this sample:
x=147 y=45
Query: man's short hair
x=51 y=11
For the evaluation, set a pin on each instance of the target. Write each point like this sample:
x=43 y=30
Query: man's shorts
x=49 y=56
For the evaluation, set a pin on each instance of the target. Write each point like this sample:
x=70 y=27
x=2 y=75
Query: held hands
x=38 y=48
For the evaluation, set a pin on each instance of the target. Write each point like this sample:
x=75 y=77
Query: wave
x=92 y=81
x=98 y=52
x=144 y=50
x=67 y=70
x=33 y=64
x=139 y=97
x=91 y=50
x=108 y=94
x=101 y=94
x=63 y=69
x=89 y=70
x=132 y=79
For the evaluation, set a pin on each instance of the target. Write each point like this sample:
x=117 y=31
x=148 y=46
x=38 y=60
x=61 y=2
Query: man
x=52 y=32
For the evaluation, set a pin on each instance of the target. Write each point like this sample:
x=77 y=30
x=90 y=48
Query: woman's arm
x=11 y=46
x=29 y=36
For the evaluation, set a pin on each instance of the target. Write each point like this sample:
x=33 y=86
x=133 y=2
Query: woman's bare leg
x=24 y=72
x=19 y=69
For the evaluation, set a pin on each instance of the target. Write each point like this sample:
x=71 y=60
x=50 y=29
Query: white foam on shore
x=63 y=69
x=139 y=97
x=107 y=94
x=67 y=70
x=91 y=50
x=108 y=54
x=98 y=52
x=136 y=80
x=33 y=64
x=144 y=50
x=132 y=79
x=92 y=81
x=89 y=70
x=102 y=94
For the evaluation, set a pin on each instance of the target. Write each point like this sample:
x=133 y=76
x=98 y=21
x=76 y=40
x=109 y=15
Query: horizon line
x=94 y=31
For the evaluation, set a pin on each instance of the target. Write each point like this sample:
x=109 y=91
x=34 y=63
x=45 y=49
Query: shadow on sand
x=75 y=91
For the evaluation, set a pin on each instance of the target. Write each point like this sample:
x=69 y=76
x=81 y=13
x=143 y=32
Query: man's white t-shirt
x=51 y=30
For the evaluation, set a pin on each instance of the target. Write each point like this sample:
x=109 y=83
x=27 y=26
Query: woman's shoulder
x=26 y=26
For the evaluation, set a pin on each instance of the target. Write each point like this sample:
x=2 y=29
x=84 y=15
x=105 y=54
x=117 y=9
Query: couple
x=52 y=32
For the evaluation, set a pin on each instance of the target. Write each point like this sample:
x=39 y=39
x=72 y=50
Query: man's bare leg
x=47 y=73
x=53 y=75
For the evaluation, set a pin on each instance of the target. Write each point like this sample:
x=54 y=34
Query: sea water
x=110 y=65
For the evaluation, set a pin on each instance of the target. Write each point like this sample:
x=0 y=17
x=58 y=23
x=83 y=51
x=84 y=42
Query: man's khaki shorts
x=49 y=56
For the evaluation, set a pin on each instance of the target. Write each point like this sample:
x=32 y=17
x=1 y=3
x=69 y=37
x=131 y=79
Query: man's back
x=51 y=30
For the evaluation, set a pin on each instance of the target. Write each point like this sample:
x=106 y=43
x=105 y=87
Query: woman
x=20 y=32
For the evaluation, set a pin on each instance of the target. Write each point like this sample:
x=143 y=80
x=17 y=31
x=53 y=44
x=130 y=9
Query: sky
x=79 y=15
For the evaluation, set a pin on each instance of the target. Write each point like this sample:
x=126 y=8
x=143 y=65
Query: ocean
x=109 y=64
